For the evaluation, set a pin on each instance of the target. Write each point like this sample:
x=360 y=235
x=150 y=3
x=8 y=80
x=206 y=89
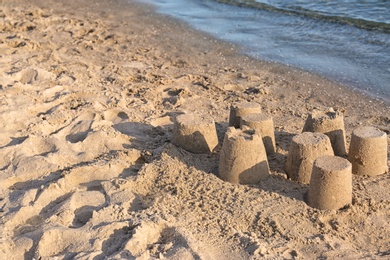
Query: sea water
x=347 y=40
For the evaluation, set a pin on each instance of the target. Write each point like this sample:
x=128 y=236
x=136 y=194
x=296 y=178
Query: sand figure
x=265 y=125
x=194 y=133
x=243 y=157
x=368 y=151
x=331 y=183
x=330 y=123
x=304 y=149
x=237 y=110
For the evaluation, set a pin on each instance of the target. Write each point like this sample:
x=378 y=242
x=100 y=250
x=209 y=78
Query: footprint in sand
x=61 y=242
x=79 y=131
x=22 y=169
x=38 y=145
x=65 y=79
x=134 y=240
x=52 y=94
x=28 y=76
x=78 y=208
x=151 y=240
x=19 y=152
x=116 y=116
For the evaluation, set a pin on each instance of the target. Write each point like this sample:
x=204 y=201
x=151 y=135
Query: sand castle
x=368 y=151
x=194 y=133
x=265 y=125
x=243 y=158
x=239 y=109
x=331 y=183
x=312 y=158
x=304 y=149
x=330 y=123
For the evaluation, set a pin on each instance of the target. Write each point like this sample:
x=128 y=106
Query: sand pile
x=88 y=95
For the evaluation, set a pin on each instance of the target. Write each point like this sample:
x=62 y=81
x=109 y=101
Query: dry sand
x=88 y=93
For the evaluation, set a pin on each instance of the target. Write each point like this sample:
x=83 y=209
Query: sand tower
x=330 y=123
x=368 y=151
x=194 y=133
x=243 y=158
x=264 y=124
x=237 y=110
x=331 y=183
x=304 y=149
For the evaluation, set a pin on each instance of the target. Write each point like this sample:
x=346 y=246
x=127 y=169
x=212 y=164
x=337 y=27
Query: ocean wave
x=313 y=14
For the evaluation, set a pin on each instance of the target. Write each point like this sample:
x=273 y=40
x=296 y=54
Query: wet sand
x=89 y=93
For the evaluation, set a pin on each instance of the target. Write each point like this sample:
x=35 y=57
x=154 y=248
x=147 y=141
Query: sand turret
x=243 y=158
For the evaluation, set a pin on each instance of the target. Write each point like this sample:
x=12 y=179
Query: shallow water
x=346 y=41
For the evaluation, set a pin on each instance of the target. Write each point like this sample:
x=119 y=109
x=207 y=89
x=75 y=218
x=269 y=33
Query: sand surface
x=88 y=94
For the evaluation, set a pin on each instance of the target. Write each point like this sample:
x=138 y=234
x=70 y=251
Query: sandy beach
x=89 y=92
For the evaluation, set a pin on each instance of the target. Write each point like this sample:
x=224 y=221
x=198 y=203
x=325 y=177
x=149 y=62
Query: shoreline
x=283 y=67
x=89 y=93
x=366 y=81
